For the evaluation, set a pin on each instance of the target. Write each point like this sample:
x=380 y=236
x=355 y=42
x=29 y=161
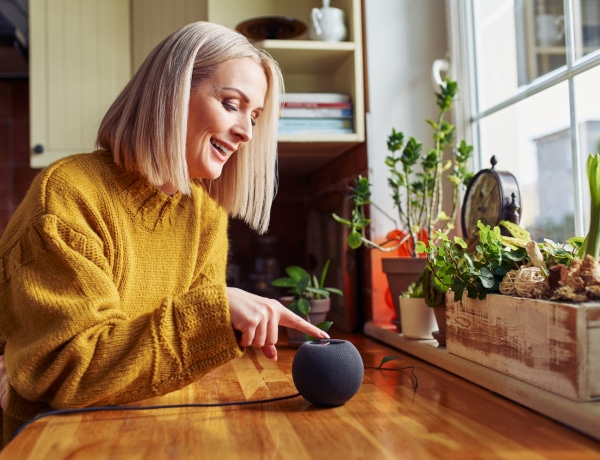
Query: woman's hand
x=259 y=318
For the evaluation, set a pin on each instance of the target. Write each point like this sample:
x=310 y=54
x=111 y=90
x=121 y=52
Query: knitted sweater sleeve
x=71 y=345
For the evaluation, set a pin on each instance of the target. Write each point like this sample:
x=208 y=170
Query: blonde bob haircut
x=146 y=126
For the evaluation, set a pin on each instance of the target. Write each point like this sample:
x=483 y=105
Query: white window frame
x=462 y=58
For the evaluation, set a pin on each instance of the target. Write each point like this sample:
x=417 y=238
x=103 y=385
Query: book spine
x=315 y=125
x=316 y=97
x=317 y=105
x=316 y=112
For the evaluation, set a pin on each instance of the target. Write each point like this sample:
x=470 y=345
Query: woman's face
x=223 y=110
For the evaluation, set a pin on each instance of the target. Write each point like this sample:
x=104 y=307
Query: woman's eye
x=234 y=108
x=230 y=107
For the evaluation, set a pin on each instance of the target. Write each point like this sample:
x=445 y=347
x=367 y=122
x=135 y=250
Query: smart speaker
x=327 y=372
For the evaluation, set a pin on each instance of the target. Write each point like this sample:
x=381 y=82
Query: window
x=529 y=72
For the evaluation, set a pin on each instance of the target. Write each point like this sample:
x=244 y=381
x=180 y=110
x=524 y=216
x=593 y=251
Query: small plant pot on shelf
x=401 y=272
x=318 y=313
x=418 y=320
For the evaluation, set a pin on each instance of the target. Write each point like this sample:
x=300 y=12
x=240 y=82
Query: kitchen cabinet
x=80 y=59
x=153 y=20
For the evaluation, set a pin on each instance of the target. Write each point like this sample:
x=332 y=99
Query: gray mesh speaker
x=327 y=372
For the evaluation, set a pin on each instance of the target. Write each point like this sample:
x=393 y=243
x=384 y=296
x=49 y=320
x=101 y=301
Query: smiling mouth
x=222 y=148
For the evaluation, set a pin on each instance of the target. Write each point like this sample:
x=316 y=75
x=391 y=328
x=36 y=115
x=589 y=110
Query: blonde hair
x=145 y=128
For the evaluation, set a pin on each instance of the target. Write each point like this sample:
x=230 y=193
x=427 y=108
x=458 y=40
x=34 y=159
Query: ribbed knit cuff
x=204 y=334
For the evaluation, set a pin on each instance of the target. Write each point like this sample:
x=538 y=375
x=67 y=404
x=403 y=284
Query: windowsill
x=582 y=416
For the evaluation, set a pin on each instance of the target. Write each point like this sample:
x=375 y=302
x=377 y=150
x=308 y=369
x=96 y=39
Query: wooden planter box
x=555 y=346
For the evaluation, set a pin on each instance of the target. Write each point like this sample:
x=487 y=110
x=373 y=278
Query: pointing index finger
x=290 y=319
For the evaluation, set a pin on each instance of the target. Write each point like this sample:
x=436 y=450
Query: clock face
x=483 y=202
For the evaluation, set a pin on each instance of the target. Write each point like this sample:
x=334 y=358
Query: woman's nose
x=243 y=129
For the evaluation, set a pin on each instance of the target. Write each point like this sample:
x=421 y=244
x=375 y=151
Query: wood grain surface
x=445 y=417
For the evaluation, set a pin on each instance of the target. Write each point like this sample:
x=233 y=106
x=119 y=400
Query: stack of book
x=316 y=113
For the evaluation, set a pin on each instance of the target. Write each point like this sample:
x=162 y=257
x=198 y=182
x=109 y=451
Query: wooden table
x=446 y=417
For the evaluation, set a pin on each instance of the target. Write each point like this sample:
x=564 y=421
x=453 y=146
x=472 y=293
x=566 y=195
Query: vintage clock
x=492 y=196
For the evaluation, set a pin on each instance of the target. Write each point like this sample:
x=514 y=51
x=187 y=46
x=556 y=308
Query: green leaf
x=296 y=273
x=354 y=240
x=283 y=282
x=325 y=325
x=459 y=241
x=386 y=359
x=395 y=141
x=591 y=244
x=324 y=273
x=303 y=306
x=335 y=291
x=319 y=292
x=340 y=219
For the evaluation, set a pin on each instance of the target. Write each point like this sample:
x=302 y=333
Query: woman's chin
x=212 y=174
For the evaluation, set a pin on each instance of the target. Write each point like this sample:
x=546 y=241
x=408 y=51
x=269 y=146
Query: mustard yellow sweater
x=110 y=290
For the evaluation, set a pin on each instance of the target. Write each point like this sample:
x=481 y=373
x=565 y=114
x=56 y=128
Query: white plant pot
x=418 y=320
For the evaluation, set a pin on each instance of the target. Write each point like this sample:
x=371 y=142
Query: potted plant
x=517 y=266
x=491 y=263
x=477 y=268
x=524 y=308
x=417 y=318
x=416 y=184
x=495 y=263
x=309 y=298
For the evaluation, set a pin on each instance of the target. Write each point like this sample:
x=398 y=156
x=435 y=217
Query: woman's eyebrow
x=242 y=95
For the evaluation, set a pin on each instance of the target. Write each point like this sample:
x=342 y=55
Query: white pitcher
x=327 y=24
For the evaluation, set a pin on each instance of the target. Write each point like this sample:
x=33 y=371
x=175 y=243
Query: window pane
x=516 y=42
x=543 y=38
x=587 y=105
x=531 y=139
x=496 y=51
x=587 y=26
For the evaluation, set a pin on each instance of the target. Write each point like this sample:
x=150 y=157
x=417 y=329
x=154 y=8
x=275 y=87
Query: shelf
x=308 y=56
x=581 y=416
x=307 y=45
x=301 y=157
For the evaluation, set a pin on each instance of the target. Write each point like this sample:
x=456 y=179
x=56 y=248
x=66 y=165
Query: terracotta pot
x=318 y=313
x=418 y=320
x=400 y=272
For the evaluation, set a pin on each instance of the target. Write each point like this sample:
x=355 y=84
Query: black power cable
x=140 y=408
x=414 y=384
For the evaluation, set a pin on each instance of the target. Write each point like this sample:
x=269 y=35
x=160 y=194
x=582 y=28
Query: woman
x=112 y=273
